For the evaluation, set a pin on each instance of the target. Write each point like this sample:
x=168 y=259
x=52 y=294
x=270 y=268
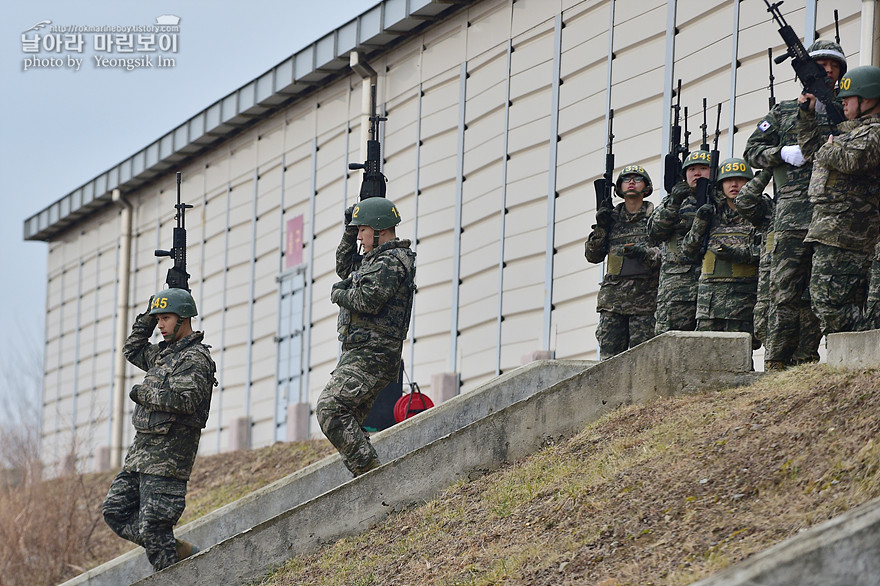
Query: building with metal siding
x=496 y=129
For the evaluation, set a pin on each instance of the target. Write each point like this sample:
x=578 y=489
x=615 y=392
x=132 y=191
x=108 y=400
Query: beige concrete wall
x=295 y=163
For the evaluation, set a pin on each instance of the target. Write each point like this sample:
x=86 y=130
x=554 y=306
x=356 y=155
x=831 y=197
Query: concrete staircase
x=507 y=419
x=667 y=365
x=321 y=477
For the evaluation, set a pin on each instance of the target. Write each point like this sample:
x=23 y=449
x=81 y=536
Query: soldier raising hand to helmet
x=171 y=408
x=628 y=293
x=375 y=302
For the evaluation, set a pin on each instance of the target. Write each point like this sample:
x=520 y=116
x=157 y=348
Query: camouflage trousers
x=727 y=325
x=872 y=307
x=677 y=300
x=143 y=508
x=362 y=372
x=618 y=332
x=793 y=332
x=762 y=302
x=838 y=287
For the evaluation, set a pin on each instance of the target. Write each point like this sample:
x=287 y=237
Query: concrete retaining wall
x=677 y=362
x=329 y=473
x=843 y=551
x=854 y=349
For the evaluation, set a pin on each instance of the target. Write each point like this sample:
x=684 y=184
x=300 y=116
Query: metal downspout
x=122 y=275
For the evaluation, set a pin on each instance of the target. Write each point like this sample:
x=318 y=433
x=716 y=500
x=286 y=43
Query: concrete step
x=323 y=476
x=671 y=364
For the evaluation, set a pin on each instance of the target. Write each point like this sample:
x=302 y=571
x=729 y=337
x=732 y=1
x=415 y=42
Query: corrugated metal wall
x=480 y=130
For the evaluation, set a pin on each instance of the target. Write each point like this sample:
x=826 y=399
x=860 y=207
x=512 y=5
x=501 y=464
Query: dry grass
x=53 y=530
x=665 y=493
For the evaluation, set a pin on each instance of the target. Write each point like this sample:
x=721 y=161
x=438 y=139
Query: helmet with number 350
x=729 y=168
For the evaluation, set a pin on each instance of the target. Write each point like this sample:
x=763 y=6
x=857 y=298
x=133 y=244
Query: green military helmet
x=734 y=168
x=697 y=158
x=828 y=50
x=378 y=213
x=862 y=81
x=634 y=170
x=177 y=301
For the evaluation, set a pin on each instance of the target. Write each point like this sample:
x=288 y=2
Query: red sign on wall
x=293 y=243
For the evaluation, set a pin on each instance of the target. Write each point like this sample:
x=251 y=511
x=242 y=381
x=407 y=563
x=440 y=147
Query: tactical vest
x=623 y=232
x=392 y=319
x=716 y=268
x=146 y=420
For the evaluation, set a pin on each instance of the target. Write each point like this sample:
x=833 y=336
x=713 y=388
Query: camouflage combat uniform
x=758 y=209
x=628 y=293
x=729 y=277
x=792 y=330
x=677 y=289
x=845 y=192
x=171 y=408
x=872 y=306
x=375 y=302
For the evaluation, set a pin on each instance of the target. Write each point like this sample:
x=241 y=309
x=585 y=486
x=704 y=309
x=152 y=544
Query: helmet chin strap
x=176 y=329
x=375 y=239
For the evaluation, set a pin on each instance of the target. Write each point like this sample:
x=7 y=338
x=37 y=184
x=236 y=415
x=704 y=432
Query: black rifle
x=706 y=186
x=772 y=102
x=373 y=183
x=177 y=277
x=772 y=99
x=604 y=185
x=686 y=144
x=811 y=74
x=672 y=164
x=704 y=146
x=836 y=28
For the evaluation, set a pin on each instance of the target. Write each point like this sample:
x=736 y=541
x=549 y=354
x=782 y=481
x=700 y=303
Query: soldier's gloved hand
x=738 y=254
x=792 y=155
x=705 y=212
x=133 y=394
x=150 y=320
x=605 y=218
x=636 y=251
x=679 y=193
x=349 y=211
x=338 y=288
x=764 y=176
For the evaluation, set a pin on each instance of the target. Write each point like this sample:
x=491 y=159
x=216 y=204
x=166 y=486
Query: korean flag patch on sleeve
x=763 y=126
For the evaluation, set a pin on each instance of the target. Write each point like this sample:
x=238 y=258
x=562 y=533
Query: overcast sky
x=61 y=127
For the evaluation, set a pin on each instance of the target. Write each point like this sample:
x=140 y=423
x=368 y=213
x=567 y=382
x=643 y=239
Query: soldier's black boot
x=185 y=549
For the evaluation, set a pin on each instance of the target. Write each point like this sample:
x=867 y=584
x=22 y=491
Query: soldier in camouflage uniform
x=758 y=209
x=171 y=408
x=872 y=307
x=628 y=294
x=845 y=192
x=375 y=302
x=670 y=221
x=729 y=278
x=793 y=330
